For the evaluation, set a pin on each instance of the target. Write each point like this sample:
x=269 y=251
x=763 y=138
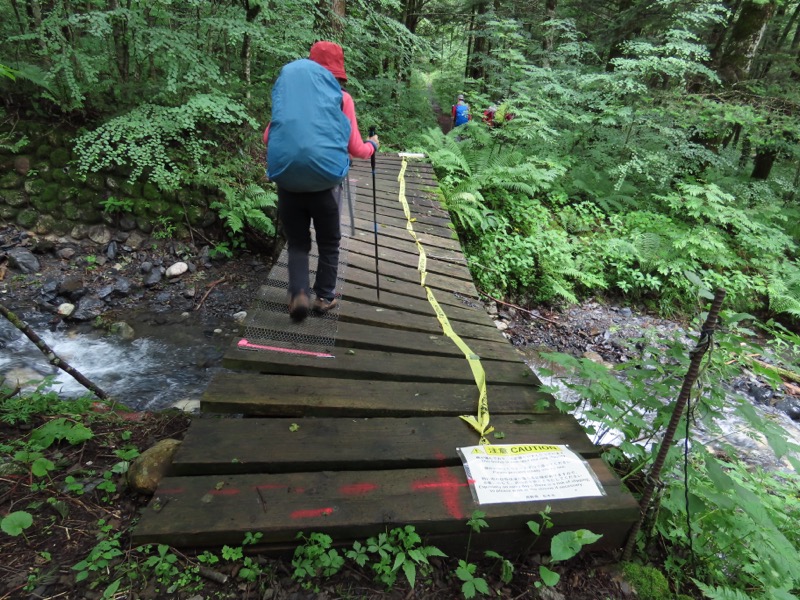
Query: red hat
x=330 y=56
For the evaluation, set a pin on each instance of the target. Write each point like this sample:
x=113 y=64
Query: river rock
x=596 y=358
x=24 y=260
x=49 y=290
x=123 y=330
x=127 y=223
x=22 y=165
x=72 y=287
x=151 y=466
x=152 y=278
x=65 y=253
x=135 y=240
x=99 y=234
x=176 y=270
x=79 y=232
x=791 y=406
x=24 y=377
x=88 y=309
x=111 y=250
x=66 y=309
x=240 y=316
x=189 y=406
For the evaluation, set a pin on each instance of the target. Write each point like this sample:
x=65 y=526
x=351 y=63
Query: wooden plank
x=228 y=446
x=479 y=326
x=366 y=337
x=399 y=221
x=404 y=244
x=407 y=255
x=375 y=365
x=400 y=233
x=409 y=273
x=219 y=509
x=289 y=396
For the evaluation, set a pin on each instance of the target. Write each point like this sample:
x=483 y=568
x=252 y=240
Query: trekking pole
x=350 y=204
x=375 y=217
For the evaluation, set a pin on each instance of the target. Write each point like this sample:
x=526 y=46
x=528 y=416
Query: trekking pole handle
x=372 y=131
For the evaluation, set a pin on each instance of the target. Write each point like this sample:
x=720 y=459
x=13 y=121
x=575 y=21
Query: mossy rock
x=27 y=218
x=196 y=215
x=50 y=192
x=55 y=137
x=8 y=213
x=91 y=198
x=59 y=176
x=150 y=192
x=62 y=226
x=96 y=182
x=44 y=171
x=44 y=224
x=141 y=207
x=67 y=193
x=41 y=205
x=11 y=180
x=70 y=210
x=89 y=215
x=144 y=224
x=131 y=188
x=160 y=207
x=13 y=198
x=59 y=158
x=649 y=582
x=34 y=187
x=44 y=151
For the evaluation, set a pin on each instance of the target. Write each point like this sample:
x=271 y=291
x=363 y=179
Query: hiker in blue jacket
x=460 y=112
x=297 y=209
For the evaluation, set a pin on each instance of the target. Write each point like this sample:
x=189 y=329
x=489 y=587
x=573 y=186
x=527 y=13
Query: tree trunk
x=763 y=162
x=549 y=38
x=251 y=13
x=330 y=18
x=475 y=66
x=782 y=39
x=120 y=33
x=623 y=32
x=745 y=38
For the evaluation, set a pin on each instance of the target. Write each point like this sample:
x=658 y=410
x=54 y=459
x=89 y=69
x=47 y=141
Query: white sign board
x=527 y=472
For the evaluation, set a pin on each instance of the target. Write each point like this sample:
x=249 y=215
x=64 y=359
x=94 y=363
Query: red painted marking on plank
x=311 y=513
x=271 y=486
x=172 y=491
x=447 y=485
x=224 y=492
x=243 y=343
x=358 y=489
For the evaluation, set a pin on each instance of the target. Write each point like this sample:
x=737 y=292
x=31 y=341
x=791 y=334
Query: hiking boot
x=298 y=307
x=322 y=306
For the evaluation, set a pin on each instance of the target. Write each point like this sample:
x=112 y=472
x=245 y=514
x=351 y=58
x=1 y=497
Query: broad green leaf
x=16 y=522
x=550 y=578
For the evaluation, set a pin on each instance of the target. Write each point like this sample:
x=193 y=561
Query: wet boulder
x=23 y=260
x=151 y=466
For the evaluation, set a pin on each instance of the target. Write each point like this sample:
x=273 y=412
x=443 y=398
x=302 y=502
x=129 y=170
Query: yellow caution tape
x=481 y=422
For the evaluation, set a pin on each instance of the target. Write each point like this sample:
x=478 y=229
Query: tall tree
x=744 y=39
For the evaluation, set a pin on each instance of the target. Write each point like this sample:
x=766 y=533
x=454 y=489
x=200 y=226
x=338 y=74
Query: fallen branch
x=211 y=286
x=785 y=373
x=52 y=357
x=525 y=310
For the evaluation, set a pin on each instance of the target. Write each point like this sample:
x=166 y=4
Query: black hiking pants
x=297 y=210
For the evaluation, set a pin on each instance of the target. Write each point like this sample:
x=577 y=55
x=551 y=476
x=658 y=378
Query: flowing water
x=164 y=364
x=733 y=429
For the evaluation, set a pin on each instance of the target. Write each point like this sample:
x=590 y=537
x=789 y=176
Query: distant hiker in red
x=312 y=135
x=460 y=112
x=488 y=115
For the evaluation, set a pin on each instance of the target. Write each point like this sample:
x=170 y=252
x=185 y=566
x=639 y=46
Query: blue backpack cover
x=462 y=114
x=308 y=135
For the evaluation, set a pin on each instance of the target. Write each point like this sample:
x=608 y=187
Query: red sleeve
x=453 y=112
x=356 y=146
x=266 y=134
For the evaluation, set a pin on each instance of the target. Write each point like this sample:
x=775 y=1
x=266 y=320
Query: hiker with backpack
x=312 y=135
x=460 y=112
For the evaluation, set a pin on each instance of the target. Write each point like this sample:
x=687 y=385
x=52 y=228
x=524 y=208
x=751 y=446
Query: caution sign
x=527 y=473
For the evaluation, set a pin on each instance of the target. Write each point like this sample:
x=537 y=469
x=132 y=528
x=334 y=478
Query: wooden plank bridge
x=352 y=419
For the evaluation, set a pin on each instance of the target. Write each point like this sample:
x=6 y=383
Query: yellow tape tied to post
x=481 y=422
